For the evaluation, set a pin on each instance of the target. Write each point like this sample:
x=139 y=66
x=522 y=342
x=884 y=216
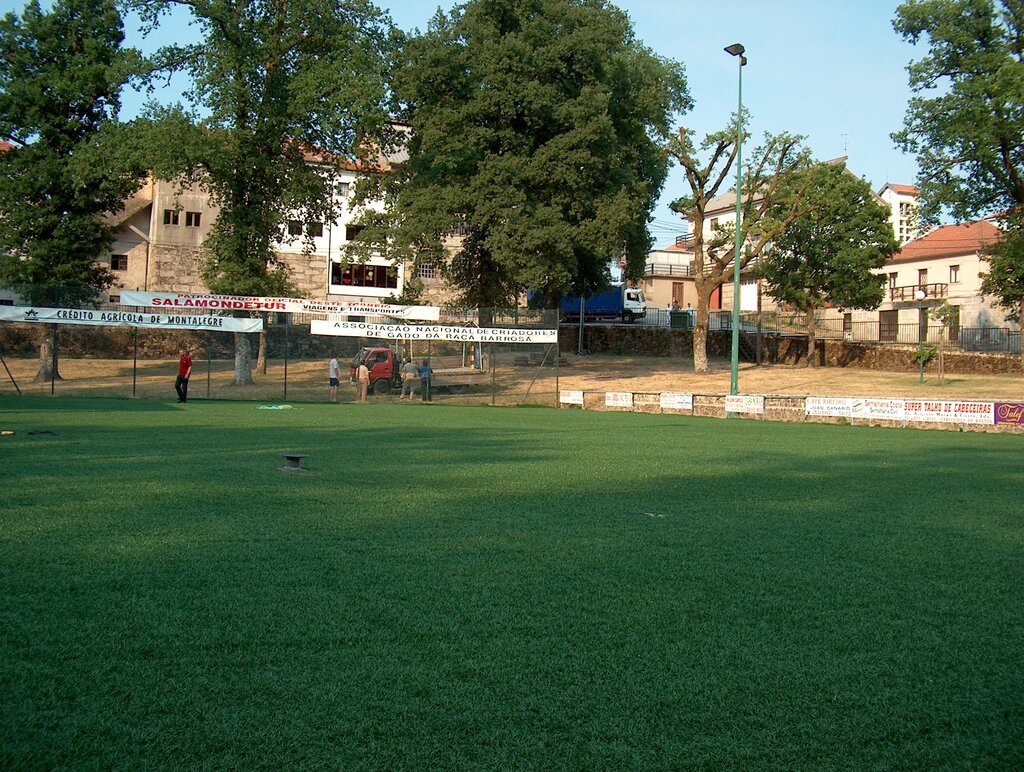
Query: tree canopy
x=283 y=95
x=61 y=76
x=536 y=129
x=825 y=255
x=707 y=168
x=966 y=122
x=70 y=164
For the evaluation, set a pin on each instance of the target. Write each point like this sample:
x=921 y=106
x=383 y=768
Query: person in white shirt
x=333 y=374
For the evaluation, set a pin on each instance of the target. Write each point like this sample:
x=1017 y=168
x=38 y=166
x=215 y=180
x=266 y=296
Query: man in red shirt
x=184 y=372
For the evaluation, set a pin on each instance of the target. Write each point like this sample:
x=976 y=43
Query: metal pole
x=734 y=381
x=53 y=359
x=922 y=332
x=286 y=326
x=209 y=337
x=135 y=359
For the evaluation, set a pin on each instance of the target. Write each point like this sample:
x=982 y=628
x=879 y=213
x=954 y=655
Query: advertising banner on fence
x=744 y=403
x=949 y=412
x=673 y=401
x=570 y=397
x=107 y=318
x=883 y=409
x=1009 y=413
x=841 y=407
x=184 y=301
x=618 y=399
x=432 y=332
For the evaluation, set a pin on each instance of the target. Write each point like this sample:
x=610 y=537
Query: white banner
x=570 y=397
x=106 y=318
x=618 y=399
x=674 y=401
x=744 y=403
x=431 y=332
x=183 y=300
x=829 y=406
x=950 y=412
x=886 y=409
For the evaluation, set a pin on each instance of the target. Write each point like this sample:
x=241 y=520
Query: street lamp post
x=920 y=294
x=736 y=49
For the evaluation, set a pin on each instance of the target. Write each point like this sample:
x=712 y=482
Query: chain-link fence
x=283 y=363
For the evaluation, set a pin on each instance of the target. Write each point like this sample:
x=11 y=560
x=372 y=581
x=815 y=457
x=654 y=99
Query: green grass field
x=503 y=588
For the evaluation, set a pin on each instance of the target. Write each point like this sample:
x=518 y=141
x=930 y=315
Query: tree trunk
x=812 y=358
x=700 y=327
x=261 y=356
x=243 y=360
x=48 y=360
x=1020 y=323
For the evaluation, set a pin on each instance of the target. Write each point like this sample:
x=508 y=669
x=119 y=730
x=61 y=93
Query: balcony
x=909 y=294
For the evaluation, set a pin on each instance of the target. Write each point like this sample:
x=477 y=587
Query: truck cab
x=383 y=365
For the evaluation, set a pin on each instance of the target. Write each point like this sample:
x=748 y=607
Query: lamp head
x=736 y=49
x=920 y=294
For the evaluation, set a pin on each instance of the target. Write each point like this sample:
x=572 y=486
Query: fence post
x=209 y=338
x=135 y=358
x=286 y=326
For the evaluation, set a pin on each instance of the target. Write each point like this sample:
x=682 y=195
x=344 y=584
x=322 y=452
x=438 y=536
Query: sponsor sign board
x=181 y=301
x=570 y=397
x=829 y=406
x=431 y=332
x=618 y=399
x=882 y=409
x=675 y=401
x=107 y=318
x=744 y=403
x=939 y=411
x=1009 y=413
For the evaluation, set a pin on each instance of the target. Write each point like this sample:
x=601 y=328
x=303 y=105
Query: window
x=315 y=230
x=954 y=274
x=6 y=302
x=892 y=280
x=352 y=232
x=119 y=262
x=115 y=298
x=365 y=275
x=294 y=228
x=192 y=219
x=426 y=270
x=714 y=223
x=343 y=189
x=170 y=216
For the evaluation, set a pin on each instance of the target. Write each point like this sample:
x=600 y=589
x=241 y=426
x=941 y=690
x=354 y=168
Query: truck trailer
x=617 y=302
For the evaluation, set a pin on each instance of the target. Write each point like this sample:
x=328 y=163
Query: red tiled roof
x=949 y=241
x=908 y=189
x=5 y=146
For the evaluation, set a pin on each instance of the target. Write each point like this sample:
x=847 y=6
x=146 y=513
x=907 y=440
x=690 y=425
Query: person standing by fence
x=184 y=373
x=425 y=374
x=362 y=381
x=333 y=375
x=409 y=375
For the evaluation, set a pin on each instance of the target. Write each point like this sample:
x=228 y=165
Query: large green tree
x=825 y=255
x=966 y=121
x=288 y=93
x=70 y=165
x=536 y=129
x=708 y=168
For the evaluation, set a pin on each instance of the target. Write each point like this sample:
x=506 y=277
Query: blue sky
x=832 y=70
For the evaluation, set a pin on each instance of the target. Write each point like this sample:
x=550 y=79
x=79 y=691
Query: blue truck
x=617 y=302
